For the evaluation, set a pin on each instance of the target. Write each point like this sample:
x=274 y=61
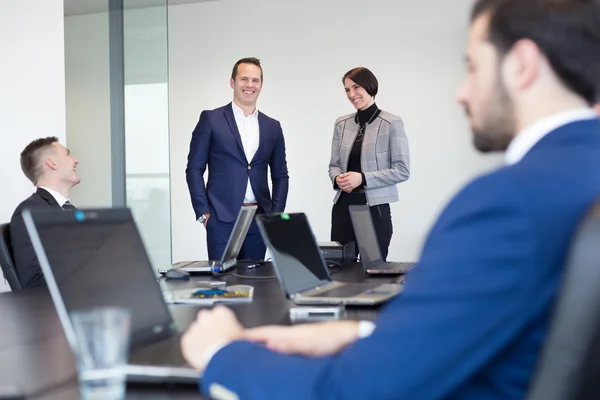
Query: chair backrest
x=7 y=261
x=570 y=360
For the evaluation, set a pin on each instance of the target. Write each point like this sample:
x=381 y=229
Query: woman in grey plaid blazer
x=369 y=156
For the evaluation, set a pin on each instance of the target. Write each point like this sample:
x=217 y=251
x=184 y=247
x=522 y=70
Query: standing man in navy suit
x=238 y=144
x=474 y=313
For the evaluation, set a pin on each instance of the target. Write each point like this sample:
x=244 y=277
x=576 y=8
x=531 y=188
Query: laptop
x=96 y=258
x=368 y=247
x=302 y=271
x=232 y=249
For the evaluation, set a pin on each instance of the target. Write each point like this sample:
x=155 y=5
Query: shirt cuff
x=365 y=329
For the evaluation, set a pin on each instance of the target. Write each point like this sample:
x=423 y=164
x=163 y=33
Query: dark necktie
x=68 y=206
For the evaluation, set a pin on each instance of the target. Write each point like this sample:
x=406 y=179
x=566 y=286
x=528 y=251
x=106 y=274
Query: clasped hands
x=348 y=181
x=218 y=327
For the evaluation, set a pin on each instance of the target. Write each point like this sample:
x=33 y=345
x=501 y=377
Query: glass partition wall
x=146 y=106
x=116 y=63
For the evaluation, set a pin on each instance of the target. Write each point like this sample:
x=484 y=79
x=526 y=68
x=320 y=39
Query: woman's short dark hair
x=364 y=78
x=567 y=32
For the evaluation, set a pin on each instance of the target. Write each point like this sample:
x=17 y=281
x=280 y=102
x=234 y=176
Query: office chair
x=569 y=366
x=6 y=258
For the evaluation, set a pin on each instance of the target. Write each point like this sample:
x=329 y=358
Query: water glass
x=102 y=347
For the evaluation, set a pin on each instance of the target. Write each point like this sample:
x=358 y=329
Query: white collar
x=60 y=199
x=238 y=110
x=527 y=138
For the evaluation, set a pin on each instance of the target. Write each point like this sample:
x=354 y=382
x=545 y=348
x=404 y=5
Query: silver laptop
x=302 y=271
x=96 y=258
x=368 y=247
x=232 y=249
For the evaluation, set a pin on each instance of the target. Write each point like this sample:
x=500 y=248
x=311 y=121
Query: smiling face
x=247 y=85
x=357 y=95
x=65 y=164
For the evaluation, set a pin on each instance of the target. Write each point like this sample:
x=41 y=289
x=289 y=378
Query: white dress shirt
x=527 y=138
x=60 y=199
x=250 y=134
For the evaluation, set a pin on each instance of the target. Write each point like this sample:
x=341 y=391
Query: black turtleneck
x=362 y=118
x=367 y=115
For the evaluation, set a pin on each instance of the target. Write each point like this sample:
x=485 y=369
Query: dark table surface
x=36 y=361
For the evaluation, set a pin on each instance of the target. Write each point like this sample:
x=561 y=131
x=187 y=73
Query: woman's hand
x=348 y=181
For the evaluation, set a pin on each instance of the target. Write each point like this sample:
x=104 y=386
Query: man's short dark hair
x=363 y=77
x=247 y=60
x=31 y=157
x=567 y=32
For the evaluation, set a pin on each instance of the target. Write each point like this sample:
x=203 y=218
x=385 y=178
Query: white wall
x=88 y=106
x=32 y=89
x=414 y=48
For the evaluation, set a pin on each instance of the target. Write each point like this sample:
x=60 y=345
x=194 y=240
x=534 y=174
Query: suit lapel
x=44 y=194
x=233 y=126
x=262 y=137
x=348 y=137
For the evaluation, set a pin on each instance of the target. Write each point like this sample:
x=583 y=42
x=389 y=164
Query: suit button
x=249 y=168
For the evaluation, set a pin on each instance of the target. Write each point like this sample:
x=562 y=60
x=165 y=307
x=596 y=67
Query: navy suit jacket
x=27 y=265
x=474 y=312
x=216 y=143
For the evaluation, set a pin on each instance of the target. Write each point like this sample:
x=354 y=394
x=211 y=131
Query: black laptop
x=302 y=271
x=96 y=258
x=368 y=247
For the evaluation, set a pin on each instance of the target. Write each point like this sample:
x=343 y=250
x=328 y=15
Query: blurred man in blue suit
x=474 y=313
x=238 y=144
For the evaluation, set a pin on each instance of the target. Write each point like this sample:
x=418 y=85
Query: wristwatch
x=202 y=219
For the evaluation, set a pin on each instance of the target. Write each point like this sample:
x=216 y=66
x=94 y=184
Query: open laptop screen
x=366 y=237
x=96 y=258
x=297 y=257
x=238 y=234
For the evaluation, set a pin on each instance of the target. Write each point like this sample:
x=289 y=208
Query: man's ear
x=523 y=64
x=49 y=162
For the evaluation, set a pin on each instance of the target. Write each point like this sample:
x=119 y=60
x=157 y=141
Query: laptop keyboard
x=399 y=266
x=346 y=290
x=198 y=264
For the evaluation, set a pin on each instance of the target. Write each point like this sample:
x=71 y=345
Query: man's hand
x=316 y=339
x=349 y=180
x=206 y=220
x=211 y=329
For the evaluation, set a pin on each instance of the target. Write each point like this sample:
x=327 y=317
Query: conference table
x=36 y=361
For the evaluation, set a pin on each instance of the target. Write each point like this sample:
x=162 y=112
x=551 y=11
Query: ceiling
x=80 y=7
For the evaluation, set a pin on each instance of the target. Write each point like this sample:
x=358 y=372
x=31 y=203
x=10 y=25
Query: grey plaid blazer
x=385 y=158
